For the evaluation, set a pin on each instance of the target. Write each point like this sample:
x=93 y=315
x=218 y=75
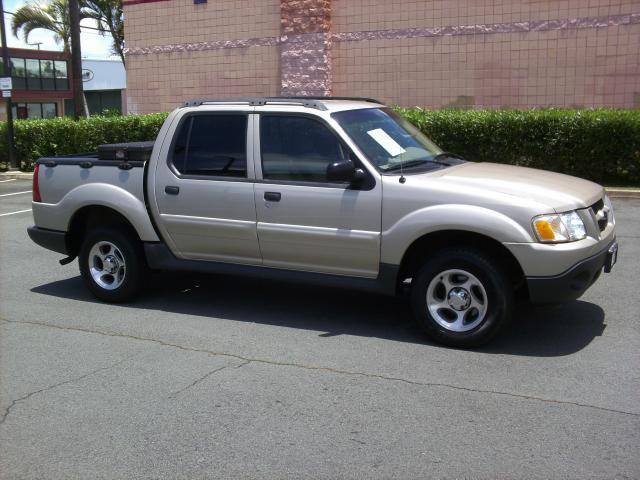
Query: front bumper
x=50 y=239
x=573 y=282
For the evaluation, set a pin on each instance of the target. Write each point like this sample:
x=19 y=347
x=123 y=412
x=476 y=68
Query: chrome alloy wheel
x=107 y=265
x=457 y=300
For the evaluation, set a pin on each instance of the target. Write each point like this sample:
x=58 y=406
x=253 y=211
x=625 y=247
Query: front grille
x=601 y=214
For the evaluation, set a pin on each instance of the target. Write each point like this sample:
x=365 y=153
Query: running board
x=159 y=257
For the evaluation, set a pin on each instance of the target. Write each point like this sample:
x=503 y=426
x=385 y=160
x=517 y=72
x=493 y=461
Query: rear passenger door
x=204 y=191
x=304 y=221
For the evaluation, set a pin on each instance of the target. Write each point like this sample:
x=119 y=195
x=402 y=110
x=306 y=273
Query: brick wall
x=179 y=51
x=432 y=53
x=489 y=54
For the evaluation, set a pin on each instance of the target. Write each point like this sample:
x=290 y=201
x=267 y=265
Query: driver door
x=306 y=222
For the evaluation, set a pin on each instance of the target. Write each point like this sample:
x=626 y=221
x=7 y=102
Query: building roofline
x=42 y=54
x=113 y=60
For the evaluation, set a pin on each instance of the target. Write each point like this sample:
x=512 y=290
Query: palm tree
x=53 y=17
x=108 y=16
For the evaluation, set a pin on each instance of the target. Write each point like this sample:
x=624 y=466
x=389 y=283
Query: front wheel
x=461 y=297
x=112 y=264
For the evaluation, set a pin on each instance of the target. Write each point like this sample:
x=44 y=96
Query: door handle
x=272 y=196
x=171 y=190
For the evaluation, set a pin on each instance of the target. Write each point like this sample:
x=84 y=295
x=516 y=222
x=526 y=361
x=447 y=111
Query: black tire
x=129 y=249
x=494 y=280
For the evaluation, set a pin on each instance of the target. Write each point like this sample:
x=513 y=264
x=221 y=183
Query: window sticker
x=386 y=142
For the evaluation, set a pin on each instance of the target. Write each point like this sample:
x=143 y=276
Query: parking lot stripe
x=13 y=213
x=9 y=180
x=14 y=193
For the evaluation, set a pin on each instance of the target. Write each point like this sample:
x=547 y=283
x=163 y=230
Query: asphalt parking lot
x=219 y=377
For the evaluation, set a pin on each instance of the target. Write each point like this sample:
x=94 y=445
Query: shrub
x=64 y=136
x=601 y=145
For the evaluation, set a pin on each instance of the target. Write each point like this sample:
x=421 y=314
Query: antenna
x=402 y=178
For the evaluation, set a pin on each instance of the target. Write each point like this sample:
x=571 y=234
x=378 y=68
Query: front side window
x=297 y=148
x=212 y=145
x=387 y=139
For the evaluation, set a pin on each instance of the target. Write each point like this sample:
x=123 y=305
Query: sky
x=93 y=44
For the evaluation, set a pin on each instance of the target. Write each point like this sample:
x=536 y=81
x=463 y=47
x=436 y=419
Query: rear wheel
x=112 y=264
x=461 y=297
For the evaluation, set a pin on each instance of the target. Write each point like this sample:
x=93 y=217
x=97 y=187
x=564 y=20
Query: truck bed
x=60 y=175
x=67 y=183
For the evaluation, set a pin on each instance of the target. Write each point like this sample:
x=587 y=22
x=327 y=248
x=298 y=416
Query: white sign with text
x=5 y=83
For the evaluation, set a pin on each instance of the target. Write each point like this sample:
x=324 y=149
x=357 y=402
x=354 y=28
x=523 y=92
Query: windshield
x=386 y=138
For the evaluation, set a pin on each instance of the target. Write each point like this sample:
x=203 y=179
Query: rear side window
x=212 y=145
x=297 y=148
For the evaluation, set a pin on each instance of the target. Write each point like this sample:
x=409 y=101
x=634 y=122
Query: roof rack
x=309 y=102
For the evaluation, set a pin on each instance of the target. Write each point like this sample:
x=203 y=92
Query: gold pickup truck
x=330 y=191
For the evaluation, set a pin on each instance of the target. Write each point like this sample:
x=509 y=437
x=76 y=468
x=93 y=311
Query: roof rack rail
x=309 y=102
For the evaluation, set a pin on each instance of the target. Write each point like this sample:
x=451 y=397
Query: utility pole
x=76 y=59
x=13 y=159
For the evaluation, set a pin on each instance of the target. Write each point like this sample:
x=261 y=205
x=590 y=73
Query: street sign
x=5 y=83
x=6 y=93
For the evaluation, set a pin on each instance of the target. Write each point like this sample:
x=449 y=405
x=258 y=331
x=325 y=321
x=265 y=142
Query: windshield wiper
x=442 y=155
x=436 y=159
x=401 y=165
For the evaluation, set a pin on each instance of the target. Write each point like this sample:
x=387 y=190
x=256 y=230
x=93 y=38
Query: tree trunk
x=76 y=59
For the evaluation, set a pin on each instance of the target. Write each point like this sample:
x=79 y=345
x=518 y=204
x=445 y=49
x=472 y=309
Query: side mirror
x=344 y=171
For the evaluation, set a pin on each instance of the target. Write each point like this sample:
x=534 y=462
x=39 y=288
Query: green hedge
x=602 y=145
x=64 y=136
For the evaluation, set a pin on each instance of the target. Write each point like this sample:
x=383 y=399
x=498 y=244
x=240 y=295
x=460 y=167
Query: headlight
x=562 y=227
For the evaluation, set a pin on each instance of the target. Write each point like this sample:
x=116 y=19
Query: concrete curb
x=16 y=175
x=623 y=192
x=613 y=192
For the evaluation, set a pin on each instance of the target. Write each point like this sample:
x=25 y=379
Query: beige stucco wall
x=162 y=81
x=563 y=67
x=533 y=70
x=431 y=53
x=180 y=21
x=362 y=15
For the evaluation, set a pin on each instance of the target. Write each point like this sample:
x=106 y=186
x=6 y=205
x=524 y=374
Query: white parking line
x=13 y=213
x=14 y=193
x=10 y=180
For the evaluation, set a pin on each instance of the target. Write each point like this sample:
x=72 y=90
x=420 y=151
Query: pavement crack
x=56 y=385
x=336 y=371
x=247 y=362
x=203 y=378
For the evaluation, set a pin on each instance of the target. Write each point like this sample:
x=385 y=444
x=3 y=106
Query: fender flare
x=115 y=198
x=399 y=236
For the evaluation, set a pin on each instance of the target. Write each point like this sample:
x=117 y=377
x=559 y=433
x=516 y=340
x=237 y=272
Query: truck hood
x=555 y=190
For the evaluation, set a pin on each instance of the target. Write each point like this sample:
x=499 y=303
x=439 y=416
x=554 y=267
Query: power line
x=60 y=23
